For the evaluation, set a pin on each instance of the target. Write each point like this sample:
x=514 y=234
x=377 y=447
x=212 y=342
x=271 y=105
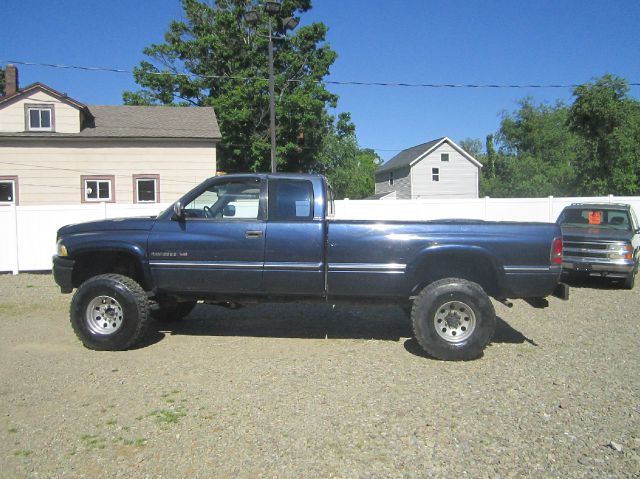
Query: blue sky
x=411 y=41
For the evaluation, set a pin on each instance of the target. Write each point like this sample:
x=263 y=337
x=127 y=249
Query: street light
x=252 y=17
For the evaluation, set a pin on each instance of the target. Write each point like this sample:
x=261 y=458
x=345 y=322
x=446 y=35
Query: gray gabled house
x=438 y=168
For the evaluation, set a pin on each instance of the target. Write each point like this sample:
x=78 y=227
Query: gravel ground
x=304 y=391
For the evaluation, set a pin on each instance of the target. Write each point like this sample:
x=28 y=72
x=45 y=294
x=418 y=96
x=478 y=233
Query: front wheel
x=110 y=312
x=630 y=280
x=453 y=319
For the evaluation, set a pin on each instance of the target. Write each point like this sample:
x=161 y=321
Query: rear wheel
x=453 y=319
x=109 y=312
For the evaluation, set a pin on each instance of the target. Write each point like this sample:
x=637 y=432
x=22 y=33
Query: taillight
x=556 y=251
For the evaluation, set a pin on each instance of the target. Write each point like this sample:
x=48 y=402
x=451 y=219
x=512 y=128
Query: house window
x=435 y=174
x=8 y=190
x=391 y=178
x=146 y=188
x=39 y=117
x=444 y=157
x=98 y=189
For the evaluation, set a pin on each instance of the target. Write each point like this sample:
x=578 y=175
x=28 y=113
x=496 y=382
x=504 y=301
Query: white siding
x=49 y=171
x=12 y=115
x=458 y=176
x=401 y=183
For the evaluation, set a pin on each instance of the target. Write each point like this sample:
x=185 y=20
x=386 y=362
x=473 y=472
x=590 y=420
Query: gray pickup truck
x=601 y=240
x=259 y=237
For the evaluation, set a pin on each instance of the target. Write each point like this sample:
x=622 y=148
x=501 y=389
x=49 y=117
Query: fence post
x=550 y=209
x=486 y=201
x=611 y=199
x=104 y=210
x=15 y=267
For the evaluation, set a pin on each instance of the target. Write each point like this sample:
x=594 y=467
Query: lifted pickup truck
x=264 y=237
x=601 y=240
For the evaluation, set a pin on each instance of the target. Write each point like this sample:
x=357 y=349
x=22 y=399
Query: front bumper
x=600 y=267
x=63 y=273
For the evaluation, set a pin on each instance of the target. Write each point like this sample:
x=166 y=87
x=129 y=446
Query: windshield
x=595 y=218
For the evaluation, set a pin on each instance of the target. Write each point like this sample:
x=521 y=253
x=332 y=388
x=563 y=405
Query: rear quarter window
x=290 y=200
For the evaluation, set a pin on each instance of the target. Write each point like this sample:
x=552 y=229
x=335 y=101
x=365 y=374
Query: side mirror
x=178 y=211
x=229 y=210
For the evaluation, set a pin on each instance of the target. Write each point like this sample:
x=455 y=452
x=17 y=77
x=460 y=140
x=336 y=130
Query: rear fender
x=472 y=263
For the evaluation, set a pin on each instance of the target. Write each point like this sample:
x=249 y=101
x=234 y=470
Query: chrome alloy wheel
x=454 y=321
x=104 y=315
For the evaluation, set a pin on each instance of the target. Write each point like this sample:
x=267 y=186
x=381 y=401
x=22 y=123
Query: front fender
x=77 y=247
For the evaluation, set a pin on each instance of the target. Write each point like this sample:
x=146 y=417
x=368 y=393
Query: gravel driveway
x=304 y=391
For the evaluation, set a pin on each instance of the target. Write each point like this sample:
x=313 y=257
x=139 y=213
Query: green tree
x=227 y=68
x=473 y=146
x=537 y=136
x=607 y=121
x=349 y=169
x=1 y=81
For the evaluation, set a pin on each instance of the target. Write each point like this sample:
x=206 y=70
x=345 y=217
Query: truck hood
x=117 y=224
x=596 y=234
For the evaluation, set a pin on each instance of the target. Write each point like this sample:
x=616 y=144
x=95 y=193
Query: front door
x=218 y=244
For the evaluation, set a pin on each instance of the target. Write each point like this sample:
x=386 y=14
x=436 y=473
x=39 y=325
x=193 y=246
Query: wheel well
x=88 y=265
x=472 y=267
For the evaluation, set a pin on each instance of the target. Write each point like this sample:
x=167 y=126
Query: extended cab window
x=290 y=200
x=225 y=201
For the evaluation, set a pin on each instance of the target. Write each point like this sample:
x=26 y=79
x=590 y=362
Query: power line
x=330 y=82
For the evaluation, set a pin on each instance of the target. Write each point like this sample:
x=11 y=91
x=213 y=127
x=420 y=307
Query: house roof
x=41 y=86
x=411 y=155
x=126 y=121
x=151 y=122
x=140 y=122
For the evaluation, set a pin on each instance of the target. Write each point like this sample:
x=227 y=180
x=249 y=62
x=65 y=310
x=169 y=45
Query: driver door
x=218 y=245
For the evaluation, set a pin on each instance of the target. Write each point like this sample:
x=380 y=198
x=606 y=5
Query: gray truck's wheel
x=172 y=311
x=630 y=280
x=109 y=312
x=453 y=319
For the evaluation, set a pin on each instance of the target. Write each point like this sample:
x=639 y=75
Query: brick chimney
x=10 y=80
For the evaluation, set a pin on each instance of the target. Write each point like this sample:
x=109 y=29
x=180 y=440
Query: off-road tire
x=630 y=281
x=464 y=315
x=172 y=311
x=110 y=312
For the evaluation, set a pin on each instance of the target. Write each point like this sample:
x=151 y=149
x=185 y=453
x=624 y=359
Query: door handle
x=253 y=234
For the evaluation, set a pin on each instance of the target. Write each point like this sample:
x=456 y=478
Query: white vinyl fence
x=28 y=233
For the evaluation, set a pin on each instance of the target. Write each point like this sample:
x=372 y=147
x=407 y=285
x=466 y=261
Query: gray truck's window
x=600 y=218
x=226 y=201
x=290 y=200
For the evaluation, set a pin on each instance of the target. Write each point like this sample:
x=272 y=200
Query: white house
x=57 y=150
x=438 y=168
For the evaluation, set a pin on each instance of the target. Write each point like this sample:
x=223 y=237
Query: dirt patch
x=312 y=391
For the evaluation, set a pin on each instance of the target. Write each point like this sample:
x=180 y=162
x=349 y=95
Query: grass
x=23 y=453
x=92 y=441
x=13 y=430
x=168 y=416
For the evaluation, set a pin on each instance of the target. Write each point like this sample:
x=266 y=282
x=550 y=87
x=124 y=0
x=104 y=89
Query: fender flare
x=418 y=264
x=110 y=246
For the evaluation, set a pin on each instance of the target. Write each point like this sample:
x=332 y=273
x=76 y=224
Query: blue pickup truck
x=273 y=237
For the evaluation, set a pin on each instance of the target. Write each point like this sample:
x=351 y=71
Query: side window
x=146 y=188
x=226 y=201
x=290 y=200
x=331 y=202
x=435 y=174
x=8 y=190
x=97 y=189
